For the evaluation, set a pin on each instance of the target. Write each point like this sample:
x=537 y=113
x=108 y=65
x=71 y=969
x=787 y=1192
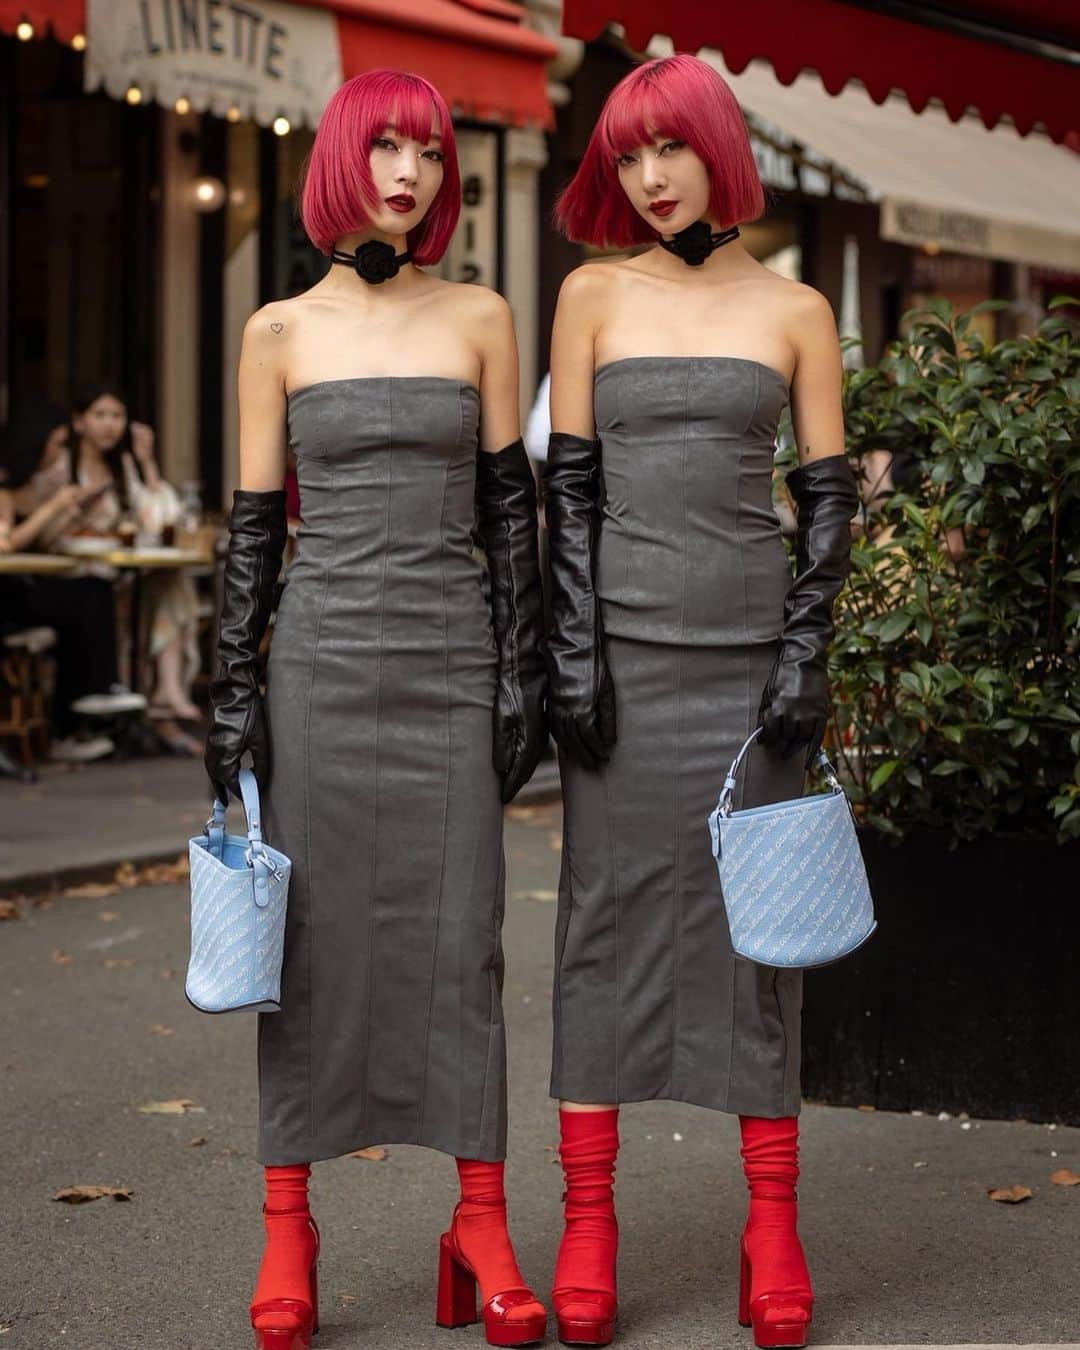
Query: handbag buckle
x=264 y=858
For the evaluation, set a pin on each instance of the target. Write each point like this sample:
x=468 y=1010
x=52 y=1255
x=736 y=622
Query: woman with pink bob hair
x=401 y=709
x=678 y=628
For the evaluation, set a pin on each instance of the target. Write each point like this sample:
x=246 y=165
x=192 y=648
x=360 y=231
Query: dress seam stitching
x=307 y=822
x=446 y=808
x=365 y=1067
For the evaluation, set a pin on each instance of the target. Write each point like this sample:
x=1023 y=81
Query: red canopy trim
x=66 y=18
x=476 y=52
x=844 y=42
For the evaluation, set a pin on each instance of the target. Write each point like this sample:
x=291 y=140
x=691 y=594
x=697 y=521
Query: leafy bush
x=955 y=674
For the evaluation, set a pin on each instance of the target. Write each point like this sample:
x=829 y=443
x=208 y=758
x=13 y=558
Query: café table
x=35 y=564
x=138 y=560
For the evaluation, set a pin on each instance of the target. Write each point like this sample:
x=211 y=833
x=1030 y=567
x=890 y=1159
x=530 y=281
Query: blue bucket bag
x=792 y=875
x=239 y=888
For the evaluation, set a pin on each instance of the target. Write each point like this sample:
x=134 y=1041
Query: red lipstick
x=402 y=202
x=662 y=208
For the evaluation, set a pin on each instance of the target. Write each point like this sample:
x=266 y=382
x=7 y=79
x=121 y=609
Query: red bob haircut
x=337 y=186
x=681 y=97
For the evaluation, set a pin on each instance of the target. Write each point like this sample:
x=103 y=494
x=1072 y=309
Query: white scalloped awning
x=955 y=184
x=263 y=58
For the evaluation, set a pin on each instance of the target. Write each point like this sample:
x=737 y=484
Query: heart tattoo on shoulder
x=276 y=327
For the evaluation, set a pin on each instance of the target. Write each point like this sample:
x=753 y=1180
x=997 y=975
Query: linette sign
x=264 y=58
x=236 y=32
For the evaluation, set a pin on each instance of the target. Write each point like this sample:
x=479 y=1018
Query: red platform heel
x=289 y=1323
x=477 y=1250
x=455 y=1301
x=778 y=1319
x=584 y=1293
x=775 y=1296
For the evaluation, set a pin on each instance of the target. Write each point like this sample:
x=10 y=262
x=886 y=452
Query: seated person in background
x=105 y=454
x=81 y=612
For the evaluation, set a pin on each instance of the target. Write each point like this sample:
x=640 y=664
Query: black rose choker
x=373 y=261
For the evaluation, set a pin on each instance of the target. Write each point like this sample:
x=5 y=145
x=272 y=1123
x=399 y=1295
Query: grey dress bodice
x=690 y=546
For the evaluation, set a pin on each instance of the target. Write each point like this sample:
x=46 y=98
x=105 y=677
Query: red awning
x=476 y=52
x=1018 y=59
x=66 y=17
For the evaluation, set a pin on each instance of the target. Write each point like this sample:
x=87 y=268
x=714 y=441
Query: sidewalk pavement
x=904 y=1244
x=78 y=823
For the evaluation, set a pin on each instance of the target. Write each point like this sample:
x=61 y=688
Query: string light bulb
x=133 y=95
x=182 y=106
x=24 y=31
x=281 y=126
x=232 y=114
x=78 y=42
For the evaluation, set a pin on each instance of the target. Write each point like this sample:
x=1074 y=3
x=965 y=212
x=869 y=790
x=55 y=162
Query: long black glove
x=257 y=533
x=581 y=696
x=506 y=520
x=795 y=704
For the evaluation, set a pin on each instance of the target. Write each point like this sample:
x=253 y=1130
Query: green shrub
x=955 y=674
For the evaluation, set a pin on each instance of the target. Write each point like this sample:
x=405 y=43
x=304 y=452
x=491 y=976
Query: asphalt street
x=903 y=1242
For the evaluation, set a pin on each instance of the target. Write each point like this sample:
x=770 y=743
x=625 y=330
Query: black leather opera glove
x=795 y=704
x=506 y=520
x=581 y=696
x=257 y=533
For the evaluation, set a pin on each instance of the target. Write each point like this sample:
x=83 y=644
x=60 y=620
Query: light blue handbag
x=792 y=875
x=239 y=887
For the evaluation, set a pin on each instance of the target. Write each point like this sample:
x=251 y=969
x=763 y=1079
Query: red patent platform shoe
x=455 y=1303
x=778 y=1319
x=585 y=1316
x=289 y=1323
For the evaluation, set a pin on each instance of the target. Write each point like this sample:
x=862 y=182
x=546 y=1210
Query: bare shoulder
x=585 y=292
x=801 y=305
x=269 y=327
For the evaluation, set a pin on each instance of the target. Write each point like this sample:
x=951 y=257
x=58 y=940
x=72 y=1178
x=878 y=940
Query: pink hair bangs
x=337 y=187
x=677 y=96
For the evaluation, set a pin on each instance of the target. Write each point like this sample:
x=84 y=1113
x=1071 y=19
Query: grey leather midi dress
x=649 y=1000
x=380 y=686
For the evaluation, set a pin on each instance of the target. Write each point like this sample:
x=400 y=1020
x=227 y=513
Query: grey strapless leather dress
x=380 y=688
x=650 y=1001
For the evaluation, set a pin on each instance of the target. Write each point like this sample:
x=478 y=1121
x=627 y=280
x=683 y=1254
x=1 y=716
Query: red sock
x=588 y=1148
x=770 y=1152
x=285 y=1272
x=480 y=1228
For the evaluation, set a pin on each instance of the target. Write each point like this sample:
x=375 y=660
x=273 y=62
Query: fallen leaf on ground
x=9 y=910
x=176 y=1106
x=126 y=875
x=62 y=958
x=522 y=812
x=197 y=1142
x=79 y=1195
x=1010 y=1195
x=375 y=1154
x=108 y=916
x=113 y=961
x=43 y=902
x=159 y=1029
x=536 y=895
x=867 y=1108
x=347 y=1298
x=164 y=874
x=90 y=890
x=1063 y=1177
x=920 y=1164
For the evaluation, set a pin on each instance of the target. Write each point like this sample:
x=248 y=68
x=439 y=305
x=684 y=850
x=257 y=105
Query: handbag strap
x=256 y=856
x=821 y=761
